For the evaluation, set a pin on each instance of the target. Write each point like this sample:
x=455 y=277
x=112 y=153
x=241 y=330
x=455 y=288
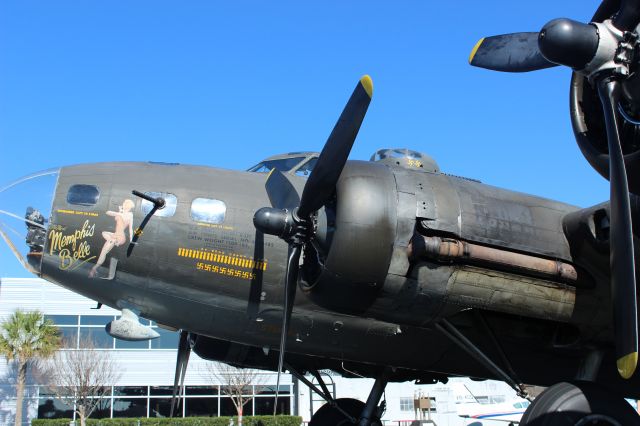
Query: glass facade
x=159 y=407
x=51 y=408
x=406 y=404
x=130 y=407
x=202 y=407
x=155 y=401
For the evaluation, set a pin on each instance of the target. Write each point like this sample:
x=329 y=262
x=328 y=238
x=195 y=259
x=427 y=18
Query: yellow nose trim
x=475 y=49
x=367 y=84
x=627 y=365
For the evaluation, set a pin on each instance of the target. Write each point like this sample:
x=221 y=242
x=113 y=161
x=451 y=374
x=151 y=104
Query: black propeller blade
x=602 y=52
x=182 y=360
x=293 y=223
x=628 y=15
x=623 y=273
x=606 y=9
x=516 y=52
x=322 y=181
x=281 y=192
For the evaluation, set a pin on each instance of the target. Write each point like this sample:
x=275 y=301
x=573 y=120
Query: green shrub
x=270 y=421
x=50 y=422
x=187 y=421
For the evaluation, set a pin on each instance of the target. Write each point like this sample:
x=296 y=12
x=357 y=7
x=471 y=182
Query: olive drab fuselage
x=382 y=275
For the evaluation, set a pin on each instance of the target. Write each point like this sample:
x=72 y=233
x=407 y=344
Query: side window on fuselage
x=83 y=195
x=169 y=208
x=208 y=210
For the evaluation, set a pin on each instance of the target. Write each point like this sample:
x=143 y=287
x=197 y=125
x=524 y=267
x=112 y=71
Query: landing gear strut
x=370 y=412
x=345 y=411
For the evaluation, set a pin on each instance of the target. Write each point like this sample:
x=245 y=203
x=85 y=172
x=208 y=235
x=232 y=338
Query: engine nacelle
x=588 y=124
x=356 y=240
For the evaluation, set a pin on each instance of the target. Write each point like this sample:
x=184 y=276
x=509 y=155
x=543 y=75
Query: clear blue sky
x=228 y=83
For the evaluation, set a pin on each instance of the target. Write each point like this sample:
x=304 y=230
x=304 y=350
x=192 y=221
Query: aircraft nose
x=25 y=209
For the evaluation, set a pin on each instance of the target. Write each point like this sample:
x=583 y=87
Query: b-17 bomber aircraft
x=388 y=268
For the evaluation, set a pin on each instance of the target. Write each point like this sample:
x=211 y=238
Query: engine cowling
x=356 y=241
x=589 y=127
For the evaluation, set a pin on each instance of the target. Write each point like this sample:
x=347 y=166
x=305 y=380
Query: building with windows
x=148 y=367
x=146 y=383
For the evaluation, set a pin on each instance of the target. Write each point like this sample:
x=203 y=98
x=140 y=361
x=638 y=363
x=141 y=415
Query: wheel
x=579 y=404
x=329 y=416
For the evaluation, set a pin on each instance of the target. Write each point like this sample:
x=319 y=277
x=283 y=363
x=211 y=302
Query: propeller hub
x=284 y=224
x=568 y=42
x=272 y=221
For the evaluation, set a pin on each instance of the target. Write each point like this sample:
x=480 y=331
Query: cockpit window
x=283 y=165
x=169 y=209
x=83 y=195
x=306 y=168
x=207 y=210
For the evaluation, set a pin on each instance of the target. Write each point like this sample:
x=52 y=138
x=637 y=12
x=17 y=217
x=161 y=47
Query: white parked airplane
x=468 y=406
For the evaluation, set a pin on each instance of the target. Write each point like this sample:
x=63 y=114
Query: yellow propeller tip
x=627 y=365
x=475 y=49
x=367 y=83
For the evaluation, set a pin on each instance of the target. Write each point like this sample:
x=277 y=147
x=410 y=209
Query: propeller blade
x=623 y=279
x=182 y=360
x=317 y=191
x=516 y=52
x=322 y=181
x=606 y=9
x=628 y=16
x=281 y=192
x=290 y=284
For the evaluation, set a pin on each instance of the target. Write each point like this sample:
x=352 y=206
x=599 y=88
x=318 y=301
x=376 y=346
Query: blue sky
x=226 y=84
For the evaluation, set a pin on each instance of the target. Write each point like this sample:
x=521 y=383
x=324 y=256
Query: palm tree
x=24 y=338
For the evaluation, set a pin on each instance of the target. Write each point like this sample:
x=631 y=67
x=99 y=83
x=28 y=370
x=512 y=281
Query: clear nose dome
x=25 y=210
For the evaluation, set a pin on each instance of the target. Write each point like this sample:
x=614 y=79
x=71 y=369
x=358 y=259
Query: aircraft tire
x=329 y=416
x=578 y=404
